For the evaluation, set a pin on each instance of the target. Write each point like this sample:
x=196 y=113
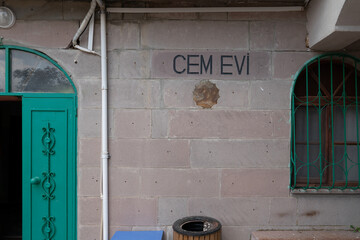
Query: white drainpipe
x=104 y=132
x=84 y=22
x=205 y=10
x=104 y=123
x=104 y=108
x=82 y=27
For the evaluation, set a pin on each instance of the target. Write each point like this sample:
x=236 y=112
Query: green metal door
x=49 y=100
x=48 y=168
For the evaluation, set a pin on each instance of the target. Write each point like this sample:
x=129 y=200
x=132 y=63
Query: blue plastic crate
x=138 y=235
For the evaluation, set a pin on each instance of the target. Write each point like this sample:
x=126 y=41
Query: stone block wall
x=169 y=157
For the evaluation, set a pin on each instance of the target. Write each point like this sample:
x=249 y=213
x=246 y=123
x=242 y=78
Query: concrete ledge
x=305 y=235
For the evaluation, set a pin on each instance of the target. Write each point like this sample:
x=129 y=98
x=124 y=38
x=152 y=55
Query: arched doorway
x=38 y=146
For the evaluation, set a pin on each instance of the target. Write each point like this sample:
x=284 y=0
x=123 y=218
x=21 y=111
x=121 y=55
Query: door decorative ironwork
x=48 y=182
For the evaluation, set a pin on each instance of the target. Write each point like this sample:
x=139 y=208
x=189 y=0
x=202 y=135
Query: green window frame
x=325 y=106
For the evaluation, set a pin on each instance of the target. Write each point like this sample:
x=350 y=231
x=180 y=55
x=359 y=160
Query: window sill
x=325 y=192
x=304 y=235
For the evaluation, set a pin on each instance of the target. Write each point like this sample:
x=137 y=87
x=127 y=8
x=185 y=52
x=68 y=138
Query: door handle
x=35 y=180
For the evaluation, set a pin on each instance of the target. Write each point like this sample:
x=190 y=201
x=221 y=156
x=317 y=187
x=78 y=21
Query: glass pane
x=2 y=70
x=351 y=124
x=314 y=160
x=353 y=175
x=338 y=124
x=350 y=116
x=301 y=128
x=352 y=164
x=339 y=153
x=32 y=73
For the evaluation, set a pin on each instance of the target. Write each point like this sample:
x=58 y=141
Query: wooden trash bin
x=197 y=228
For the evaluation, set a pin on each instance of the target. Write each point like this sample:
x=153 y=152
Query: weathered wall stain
x=281 y=215
x=311 y=213
x=206 y=94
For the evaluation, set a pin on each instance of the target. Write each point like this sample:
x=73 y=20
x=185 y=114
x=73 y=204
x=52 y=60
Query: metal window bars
x=325 y=151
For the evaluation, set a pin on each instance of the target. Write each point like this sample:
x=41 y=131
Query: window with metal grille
x=325 y=134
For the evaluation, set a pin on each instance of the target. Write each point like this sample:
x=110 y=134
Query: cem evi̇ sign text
x=217 y=65
x=196 y=64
